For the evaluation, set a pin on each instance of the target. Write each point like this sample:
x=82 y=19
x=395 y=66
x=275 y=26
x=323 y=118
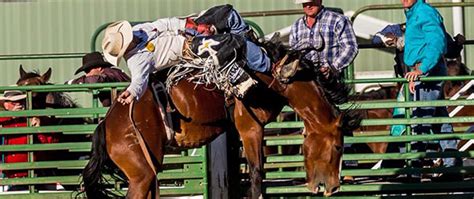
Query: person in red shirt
x=14 y=101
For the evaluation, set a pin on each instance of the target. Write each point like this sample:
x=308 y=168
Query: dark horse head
x=43 y=100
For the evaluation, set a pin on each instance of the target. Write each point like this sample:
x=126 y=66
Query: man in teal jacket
x=425 y=45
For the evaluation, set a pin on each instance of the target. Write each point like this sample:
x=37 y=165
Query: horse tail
x=92 y=178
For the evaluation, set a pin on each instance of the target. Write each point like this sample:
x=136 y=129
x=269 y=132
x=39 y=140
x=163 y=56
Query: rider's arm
x=140 y=65
x=348 y=48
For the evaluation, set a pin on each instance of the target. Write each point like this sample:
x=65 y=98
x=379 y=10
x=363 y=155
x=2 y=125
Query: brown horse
x=203 y=116
x=455 y=68
x=44 y=100
x=383 y=93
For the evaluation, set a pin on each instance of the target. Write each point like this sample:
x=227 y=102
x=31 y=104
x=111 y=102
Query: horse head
x=44 y=99
x=315 y=99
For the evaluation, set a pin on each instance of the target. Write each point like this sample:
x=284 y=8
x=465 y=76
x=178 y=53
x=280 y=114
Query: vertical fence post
x=205 y=168
x=29 y=106
x=406 y=92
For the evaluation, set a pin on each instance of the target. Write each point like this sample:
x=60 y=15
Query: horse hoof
x=330 y=192
x=313 y=188
x=348 y=179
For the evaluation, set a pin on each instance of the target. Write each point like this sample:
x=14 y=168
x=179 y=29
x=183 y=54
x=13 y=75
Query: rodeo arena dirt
x=236 y=99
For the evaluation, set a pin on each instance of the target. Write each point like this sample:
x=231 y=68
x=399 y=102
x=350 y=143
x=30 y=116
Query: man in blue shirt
x=425 y=45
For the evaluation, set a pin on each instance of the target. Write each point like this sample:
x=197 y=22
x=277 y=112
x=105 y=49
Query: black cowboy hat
x=92 y=60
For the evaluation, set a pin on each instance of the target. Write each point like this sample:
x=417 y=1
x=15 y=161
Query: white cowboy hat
x=303 y=1
x=117 y=37
x=12 y=95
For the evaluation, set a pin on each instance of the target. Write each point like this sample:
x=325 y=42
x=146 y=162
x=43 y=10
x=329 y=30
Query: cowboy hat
x=12 y=95
x=303 y=1
x=92 y=60
x=117 y=37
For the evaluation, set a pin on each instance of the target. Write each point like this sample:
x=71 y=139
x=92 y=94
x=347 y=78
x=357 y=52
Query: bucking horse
x=203 y=116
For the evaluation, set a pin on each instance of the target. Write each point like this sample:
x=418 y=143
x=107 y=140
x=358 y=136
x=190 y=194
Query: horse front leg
x=251 y=133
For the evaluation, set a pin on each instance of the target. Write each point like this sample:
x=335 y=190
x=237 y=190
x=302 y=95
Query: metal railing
x=187 y=174
x=400 y=6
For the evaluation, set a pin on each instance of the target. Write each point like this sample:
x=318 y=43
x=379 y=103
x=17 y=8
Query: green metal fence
x=376 y=186
x=185 y=172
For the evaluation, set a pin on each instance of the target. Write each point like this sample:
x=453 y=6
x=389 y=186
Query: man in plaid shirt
x=328 y=32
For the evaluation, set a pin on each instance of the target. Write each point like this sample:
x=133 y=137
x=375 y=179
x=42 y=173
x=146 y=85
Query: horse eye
x=338 y=148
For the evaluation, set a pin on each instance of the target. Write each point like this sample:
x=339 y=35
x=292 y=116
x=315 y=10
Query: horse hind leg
x=252 y=144
x=128 y=156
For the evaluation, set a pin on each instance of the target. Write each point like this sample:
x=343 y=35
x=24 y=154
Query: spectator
x=99 y=71
x=425 y=45
x=329 y=33
x=14 y=101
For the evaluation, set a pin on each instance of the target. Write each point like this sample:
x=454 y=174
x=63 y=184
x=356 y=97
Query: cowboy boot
x=240 y=80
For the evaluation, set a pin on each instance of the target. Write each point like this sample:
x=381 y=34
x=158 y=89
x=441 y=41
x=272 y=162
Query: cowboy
x=425 y=45
x=148 y=47
x=330 y=34
x=99 y=70
x=210 y=22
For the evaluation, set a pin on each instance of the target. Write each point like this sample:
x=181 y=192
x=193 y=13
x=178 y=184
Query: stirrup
x=284 y=72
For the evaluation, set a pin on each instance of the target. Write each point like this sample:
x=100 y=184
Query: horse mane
x=63 y=100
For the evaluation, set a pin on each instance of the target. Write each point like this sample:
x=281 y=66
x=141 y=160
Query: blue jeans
x=429 y=91
x=256 y=59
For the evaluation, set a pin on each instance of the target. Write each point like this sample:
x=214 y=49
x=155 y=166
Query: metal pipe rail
x=43 y=56
x=400 y=6
x=381 y=46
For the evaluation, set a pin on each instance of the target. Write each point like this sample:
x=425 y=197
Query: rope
x=208 y=73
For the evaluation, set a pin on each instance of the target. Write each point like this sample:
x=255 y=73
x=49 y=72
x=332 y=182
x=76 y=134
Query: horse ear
x=22 y=71
x=45 y=77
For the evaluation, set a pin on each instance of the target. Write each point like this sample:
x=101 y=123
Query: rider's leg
x=256 y=59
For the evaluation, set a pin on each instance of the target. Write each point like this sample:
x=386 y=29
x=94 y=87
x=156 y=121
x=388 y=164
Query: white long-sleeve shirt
x=160 y=47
